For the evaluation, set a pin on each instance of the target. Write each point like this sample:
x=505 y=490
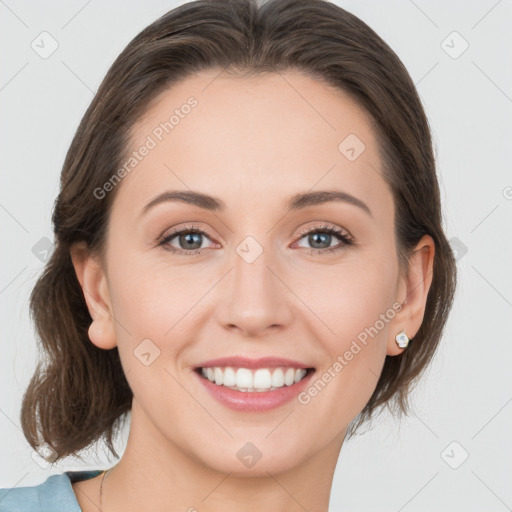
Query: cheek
x=153 y=307
x=354 y=305
x=157 y=300
x=350 y=297
x=353 y=310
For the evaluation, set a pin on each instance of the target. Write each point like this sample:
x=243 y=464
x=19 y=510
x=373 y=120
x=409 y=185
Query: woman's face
x=261 y=286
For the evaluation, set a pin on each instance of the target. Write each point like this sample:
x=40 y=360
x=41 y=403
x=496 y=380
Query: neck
x=154 y=473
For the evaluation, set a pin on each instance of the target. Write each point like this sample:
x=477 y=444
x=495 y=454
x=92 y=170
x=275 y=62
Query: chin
x=253 y=458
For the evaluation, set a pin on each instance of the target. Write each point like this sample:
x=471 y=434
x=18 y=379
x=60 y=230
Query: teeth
x=278 y=378
x=262 y=379
x=289 y=377
x=243 y=378
x=229 y=377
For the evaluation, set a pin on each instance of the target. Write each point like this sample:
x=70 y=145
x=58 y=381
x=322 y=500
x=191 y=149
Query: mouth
x=253 y=384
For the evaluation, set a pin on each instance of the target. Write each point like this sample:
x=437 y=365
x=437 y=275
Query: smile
x=267 y=383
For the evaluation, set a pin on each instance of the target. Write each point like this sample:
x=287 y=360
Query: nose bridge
x=257 y=297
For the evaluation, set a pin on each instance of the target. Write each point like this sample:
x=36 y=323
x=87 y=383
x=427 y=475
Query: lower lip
x=256 y=400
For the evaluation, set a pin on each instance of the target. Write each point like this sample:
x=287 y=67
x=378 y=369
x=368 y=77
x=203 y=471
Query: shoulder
x=54 y=494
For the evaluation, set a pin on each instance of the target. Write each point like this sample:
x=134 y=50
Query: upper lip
x=244 y=362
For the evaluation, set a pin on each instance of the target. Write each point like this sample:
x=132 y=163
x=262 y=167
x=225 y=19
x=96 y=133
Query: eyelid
x=180 y=228
x=326 y=225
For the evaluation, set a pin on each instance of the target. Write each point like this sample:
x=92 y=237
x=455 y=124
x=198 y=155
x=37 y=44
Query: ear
x=93 y=281
x=414 y=288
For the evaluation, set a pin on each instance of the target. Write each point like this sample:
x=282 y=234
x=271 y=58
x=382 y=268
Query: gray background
x=466 y=397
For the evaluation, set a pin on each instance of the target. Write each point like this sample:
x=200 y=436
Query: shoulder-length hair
x=79 y=393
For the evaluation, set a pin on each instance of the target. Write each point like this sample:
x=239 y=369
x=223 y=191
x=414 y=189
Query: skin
x=252 y=142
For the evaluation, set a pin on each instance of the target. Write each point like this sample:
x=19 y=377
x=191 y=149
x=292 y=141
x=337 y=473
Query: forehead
x=248 y=139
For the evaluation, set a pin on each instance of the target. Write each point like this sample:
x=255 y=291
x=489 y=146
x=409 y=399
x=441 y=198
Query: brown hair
x=81 y=393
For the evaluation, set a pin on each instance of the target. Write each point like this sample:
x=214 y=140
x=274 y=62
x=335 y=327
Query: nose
x=256 y=296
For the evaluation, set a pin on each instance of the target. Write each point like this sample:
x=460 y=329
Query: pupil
x=188 y=238
x=313 y=239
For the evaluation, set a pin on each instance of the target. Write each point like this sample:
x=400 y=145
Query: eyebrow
x=296 y=202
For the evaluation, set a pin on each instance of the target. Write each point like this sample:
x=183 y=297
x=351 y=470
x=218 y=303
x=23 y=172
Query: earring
x=402 y=340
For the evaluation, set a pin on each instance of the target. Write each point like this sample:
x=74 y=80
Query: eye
x=189 y=240
x=320 y=237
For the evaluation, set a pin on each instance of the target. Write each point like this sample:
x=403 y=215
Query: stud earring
x=402 y=340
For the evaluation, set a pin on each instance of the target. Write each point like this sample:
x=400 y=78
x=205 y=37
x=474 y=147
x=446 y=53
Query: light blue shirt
x=55 y=494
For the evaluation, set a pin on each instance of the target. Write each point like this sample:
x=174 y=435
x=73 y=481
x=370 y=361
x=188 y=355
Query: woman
x=248 y=237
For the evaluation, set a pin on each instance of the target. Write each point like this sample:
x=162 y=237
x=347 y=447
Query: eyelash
x=343 y=236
